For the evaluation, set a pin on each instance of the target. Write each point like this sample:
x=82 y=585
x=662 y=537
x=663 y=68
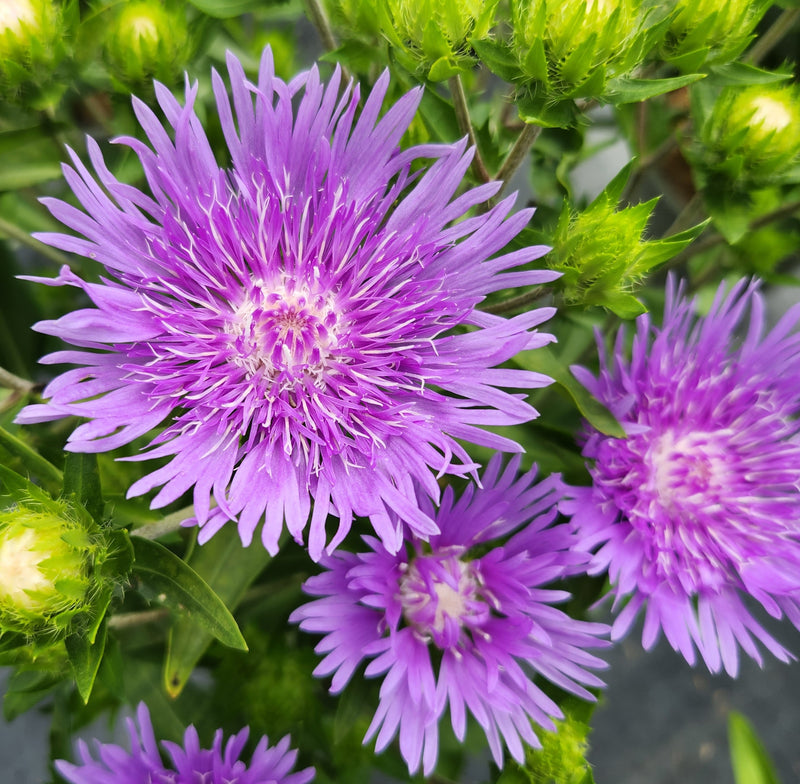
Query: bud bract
x=707 y=31
x=433 y=36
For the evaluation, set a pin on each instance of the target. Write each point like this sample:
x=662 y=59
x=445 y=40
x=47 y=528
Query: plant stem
x=465 y=125
x=780 y=27
x=166 y=525
x=132 y=619
x=16 y=233
x=517 y=302
x=525 y=140
x=10 y=381
x=320 y=20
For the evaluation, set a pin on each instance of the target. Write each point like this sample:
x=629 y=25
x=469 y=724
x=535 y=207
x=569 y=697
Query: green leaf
x=225 y=9
x=180 y=588
x=750 y=762
x=498 y=57
x=24 y=174
x=625 y=89
x=82 y=479
x=741 y=74
x=542 y=360
x=229 y=569
x=18 y=488
x=443 y=69
x=622 y=304
x=31 y=459
x=85 y=658
x=539 y=110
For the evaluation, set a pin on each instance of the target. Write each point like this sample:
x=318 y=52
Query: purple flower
x=698 y=508
x=189 y=764
x=291 y=319
x=462 y=620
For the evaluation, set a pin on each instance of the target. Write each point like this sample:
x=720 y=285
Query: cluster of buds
x=58 y=567
x=148 y=40
x=433 y=37
x=707 y=32
x=601 y=254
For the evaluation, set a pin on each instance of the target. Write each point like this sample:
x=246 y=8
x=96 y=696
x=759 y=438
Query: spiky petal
x=486 y=617
x=698 y=508
x=291 y=319
x=188 y=764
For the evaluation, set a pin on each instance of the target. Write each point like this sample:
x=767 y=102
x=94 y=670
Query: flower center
x=19 y=570
x=284 y=334
x=689 y=470
x=15 y=13
x=440 y=594
x=770 y=114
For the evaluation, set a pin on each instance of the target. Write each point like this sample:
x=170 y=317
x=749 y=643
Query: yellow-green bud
x=601 y=254
x=148 y=41
x=564 y=44
x=435 y=33
x=47 y=557
x=30 y=42
x=709 y=31
x=760 y=124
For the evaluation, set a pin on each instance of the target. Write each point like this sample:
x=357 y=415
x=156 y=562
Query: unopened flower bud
x=148 y=41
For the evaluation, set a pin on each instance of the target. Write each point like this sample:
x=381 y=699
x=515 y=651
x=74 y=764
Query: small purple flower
x=292 y=319
x=462 y=620
x=698 y=508
x=189 y=764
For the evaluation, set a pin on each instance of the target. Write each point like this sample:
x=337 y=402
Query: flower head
x=188 y=764
x=291 y=318
x=464 y=620
x=698 y=507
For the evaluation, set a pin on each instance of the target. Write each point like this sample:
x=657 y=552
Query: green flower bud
x=434 y=34
x=148 y=41
x=54 y=575
x=601 y=254
x=570 y=47
x=753 y=133
x=31 y=43
x=708 y=31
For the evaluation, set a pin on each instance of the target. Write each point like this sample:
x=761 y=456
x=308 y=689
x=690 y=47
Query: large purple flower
x=462 y=620
x=189 y=764
x=699 y=506
x=291 y=318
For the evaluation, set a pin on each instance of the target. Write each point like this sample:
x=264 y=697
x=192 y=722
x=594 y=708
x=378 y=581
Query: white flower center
x=284 y=331
x=770 y=114
x=15 y=13
x=19 y=570
x=688 y=469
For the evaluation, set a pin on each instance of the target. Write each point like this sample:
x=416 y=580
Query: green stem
x=522 y=145
x=320 y=20
x=16 y=233
x=465 y=126
x=132 y=619
x=779 y=28
x=167 y=525
x=10 y=381
x=514 y=303
x=42 y=468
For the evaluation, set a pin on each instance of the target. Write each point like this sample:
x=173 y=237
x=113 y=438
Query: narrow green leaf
x=19 y=488
x=25 y=174
x=750 y=762
x=738 y=74
x=542 y=360
x=497 y=57
x=31 y=459
x=625 y=89
x=85 y=658
x=180 y=588
x=82 y=479
x=229 y=569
